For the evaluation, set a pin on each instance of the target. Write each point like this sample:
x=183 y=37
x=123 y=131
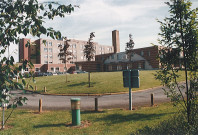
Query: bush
x=176 y=125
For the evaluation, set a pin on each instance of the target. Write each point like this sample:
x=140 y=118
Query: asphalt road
x=52 y=102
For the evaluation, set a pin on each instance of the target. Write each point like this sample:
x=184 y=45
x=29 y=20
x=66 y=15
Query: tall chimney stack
x=116 y=41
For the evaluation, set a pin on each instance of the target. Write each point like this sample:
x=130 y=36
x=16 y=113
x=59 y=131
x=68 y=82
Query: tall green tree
x=89 y=51
x=23 y=17
x=65 y=55
x=179 y=38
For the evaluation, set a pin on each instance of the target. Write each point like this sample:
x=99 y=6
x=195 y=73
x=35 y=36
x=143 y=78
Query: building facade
x=44 y=53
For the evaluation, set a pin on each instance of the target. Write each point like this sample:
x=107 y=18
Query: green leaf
x=23 y=81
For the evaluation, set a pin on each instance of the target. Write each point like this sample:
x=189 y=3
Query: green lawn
x=106 y=122
x=101 y=82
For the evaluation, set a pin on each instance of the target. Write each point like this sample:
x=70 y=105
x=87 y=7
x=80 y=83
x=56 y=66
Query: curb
x=89 y=94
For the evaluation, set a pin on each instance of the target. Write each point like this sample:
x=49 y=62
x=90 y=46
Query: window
x=118 y=57
x=81 y=57
x=82 y=46
x=50 y=62
x=110 y=67
x=50 y=49
x=50 y=43
x=46 y=62
x=37 y=69
x=112 y=57
x=45 y=56
x=71 y=62
x=142 y=53
x=74 y=45
x=45 y=49
x=139 y=65
x=129 y=66
x=149 y=53
x=119 y=67
x=57 y=68
x=52 y=69
x=50 y=56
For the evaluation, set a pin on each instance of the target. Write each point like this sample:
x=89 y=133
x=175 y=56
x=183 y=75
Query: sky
x=136 y=17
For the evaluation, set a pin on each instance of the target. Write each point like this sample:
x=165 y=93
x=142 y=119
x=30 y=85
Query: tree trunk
x=89 y=79
x=66 y=72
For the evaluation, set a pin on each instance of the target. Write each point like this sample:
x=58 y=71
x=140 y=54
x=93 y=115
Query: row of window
x=120 y=67
x=53 y=69
x=47 y=49
x=46 y=62
x=142 y=53
x=48 y=43
x=46 y=56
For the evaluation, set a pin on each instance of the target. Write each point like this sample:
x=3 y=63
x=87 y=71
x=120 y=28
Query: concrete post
x=75 y=106
x=152 y=99
x=40 y=105
x=96 y=104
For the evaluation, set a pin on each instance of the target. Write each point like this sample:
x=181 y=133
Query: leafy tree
x=129 y=47
x=179 y=38
x=22 y=17
x=89 y=51
x=65 y=55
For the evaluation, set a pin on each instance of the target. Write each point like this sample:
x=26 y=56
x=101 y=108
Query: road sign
x=131 y=78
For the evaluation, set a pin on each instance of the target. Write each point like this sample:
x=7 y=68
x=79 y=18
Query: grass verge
x=106 y=122
x=101 y=82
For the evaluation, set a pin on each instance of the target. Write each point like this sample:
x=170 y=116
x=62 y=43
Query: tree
x=65 y=55
x=22 y=17
x=129 y=47
x=179 y=38
x=89 y=51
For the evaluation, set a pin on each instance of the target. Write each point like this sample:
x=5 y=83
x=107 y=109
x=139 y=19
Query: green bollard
x=75 y=106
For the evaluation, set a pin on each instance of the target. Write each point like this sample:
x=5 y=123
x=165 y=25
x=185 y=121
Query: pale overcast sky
x=137 y=17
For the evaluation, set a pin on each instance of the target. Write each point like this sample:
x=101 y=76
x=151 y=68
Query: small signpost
x=131 y=80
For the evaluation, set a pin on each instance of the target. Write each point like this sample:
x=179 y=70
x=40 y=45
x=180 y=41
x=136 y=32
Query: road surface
x=54 y=102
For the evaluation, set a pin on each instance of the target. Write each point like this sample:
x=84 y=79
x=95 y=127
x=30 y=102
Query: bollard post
x=44 y=89
x=75 y=106
x=35 y=88
x=40 y=105
x=152 y=100
x=96 y=104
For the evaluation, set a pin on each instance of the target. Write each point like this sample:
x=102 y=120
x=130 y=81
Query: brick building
x=44 y=55
x=107 y=58
x=143 y=58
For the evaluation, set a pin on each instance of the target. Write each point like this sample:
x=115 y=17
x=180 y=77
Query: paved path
x=51 y=102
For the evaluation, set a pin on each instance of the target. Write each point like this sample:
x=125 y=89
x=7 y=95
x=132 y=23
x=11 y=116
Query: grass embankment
x=101 y=82
x=106 y=122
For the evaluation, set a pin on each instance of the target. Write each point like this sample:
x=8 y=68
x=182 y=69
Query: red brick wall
x=102 y=57
x=124 y=65
x=152 y=59
x=90 y=66
x=23 y=51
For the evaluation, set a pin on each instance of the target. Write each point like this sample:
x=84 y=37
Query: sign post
x=130 y=93
x=131 y=80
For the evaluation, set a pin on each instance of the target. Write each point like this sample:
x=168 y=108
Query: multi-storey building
x=45 y=57
x=44 y=53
